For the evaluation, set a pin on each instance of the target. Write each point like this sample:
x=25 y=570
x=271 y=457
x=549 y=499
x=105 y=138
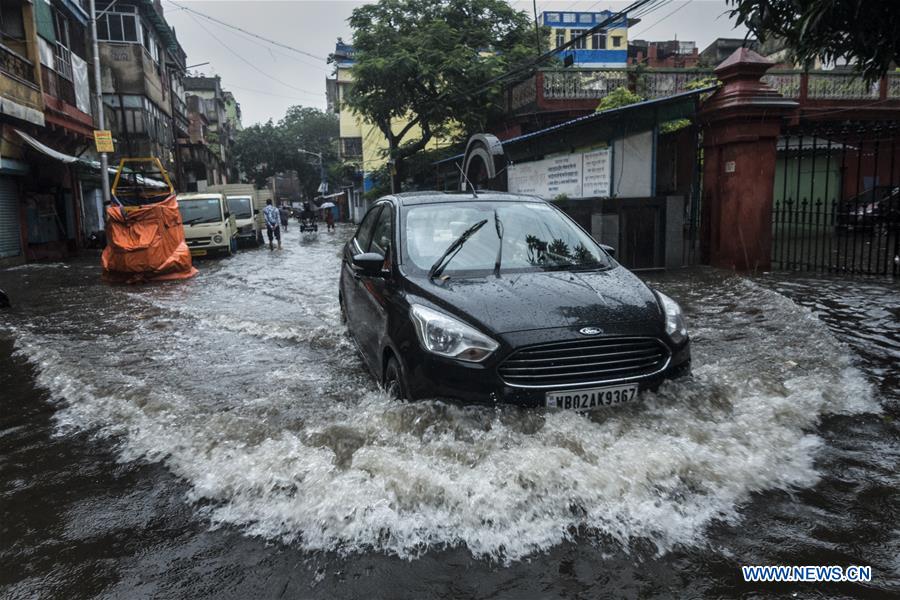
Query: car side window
x=364 y=233
x=383 y=234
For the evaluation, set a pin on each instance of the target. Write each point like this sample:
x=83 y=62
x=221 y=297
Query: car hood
x=542 y=300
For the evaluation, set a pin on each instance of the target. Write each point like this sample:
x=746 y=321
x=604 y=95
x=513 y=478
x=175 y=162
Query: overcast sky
x=266 y=79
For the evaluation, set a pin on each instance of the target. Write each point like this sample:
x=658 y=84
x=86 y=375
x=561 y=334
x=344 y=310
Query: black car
x=502 y=298
x=876 y=207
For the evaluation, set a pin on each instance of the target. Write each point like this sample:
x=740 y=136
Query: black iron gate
x=837 y=199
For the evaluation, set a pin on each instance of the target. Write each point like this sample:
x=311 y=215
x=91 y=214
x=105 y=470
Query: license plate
x=592 y=398
x=198 y=252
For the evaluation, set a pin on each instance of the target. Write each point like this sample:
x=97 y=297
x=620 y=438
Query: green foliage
x=417 y=59
x=621 y=96
x=864 y=33
x=703 y=82
x=674 y=125
x=262 y=150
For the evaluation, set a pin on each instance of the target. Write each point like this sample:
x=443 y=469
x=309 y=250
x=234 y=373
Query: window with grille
x=598 y=41
x=351 y=147
x=580 y=44
x=560 y=37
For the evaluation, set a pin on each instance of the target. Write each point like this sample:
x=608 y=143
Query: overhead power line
x=250 y=33
x=660 y=20
x=251 y=65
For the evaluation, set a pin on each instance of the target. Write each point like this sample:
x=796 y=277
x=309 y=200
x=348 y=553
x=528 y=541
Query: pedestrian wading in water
x=273 y=224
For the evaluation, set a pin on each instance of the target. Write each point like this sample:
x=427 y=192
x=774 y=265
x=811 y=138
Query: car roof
x=199 y=196
x=436 y=197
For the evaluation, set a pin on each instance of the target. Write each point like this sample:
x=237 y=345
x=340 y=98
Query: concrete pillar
x=741 y=123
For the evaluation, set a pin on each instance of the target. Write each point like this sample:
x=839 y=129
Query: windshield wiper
x=499 y=227
x=438 y=267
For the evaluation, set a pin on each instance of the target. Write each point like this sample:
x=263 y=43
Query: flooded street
x=220 y=438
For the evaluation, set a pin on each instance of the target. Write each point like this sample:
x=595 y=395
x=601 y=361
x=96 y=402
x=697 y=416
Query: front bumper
x=208 y=250
x=430 y=376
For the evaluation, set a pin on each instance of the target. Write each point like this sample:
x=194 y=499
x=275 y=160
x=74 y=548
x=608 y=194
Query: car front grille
x=201 y=241
x=594 y=360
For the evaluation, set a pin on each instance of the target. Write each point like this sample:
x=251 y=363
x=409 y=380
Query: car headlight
x=218 y=239
x=443 y=335
x=675 y=327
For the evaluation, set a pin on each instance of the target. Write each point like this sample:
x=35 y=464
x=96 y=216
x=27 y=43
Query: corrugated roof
x=596 y=116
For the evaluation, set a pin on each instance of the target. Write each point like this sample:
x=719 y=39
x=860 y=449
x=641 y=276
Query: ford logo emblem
x=590 y=331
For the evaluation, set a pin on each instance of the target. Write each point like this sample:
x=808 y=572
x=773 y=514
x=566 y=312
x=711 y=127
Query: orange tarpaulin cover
x=146 y=244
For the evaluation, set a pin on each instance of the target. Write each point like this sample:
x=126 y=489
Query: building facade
x=47 y=126
x=606 y=48
x=50 y=178
x=219 y=138
x=361 y=143
x=140 y=59
x=670 y=54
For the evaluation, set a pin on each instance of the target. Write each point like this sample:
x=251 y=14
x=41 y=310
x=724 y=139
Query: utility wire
x=649 y=27
x=253 y=40
x=254 y=67
x=250 y=33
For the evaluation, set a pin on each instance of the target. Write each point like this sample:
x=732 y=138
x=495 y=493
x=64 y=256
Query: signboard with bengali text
x=582 y=175
x=103 y=140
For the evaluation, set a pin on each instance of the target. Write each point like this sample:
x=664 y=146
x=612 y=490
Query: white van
x=247 y=217
x=209 y=227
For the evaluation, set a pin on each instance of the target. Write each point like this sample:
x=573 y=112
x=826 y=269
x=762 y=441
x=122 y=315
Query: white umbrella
x=327 y=205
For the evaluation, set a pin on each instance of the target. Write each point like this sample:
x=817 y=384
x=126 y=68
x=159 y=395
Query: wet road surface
x=220 y=438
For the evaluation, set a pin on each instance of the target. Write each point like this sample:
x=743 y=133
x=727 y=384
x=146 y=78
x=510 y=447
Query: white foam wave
x=353 y=470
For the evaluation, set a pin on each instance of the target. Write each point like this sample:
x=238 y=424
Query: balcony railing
x=16 y=65
x=841 y=86
x=659 y=84
x=58 y=86
x=583 y=84
x=785 y=83
x=893 y=85
x=578 y=85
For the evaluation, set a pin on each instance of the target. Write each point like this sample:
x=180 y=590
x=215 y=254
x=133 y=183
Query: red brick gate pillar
x=741 y=122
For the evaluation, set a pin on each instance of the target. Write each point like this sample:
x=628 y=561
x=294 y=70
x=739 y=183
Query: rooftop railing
x=585 y=84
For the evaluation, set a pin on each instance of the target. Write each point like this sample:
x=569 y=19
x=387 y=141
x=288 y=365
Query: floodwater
x=219 y=438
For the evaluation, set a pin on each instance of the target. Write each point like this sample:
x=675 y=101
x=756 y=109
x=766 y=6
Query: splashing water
x=243 y=383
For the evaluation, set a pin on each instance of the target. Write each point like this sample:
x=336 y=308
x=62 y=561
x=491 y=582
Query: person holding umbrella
x=329 y=214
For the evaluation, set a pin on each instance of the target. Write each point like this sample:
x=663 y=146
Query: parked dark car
x=876 y=207
x=502 y=298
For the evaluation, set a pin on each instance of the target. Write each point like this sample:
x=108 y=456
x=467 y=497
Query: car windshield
x=200 y=210
x=240 y=207
x=535 y=237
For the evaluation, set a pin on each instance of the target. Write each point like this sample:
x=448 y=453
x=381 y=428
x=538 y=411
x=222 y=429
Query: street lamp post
x=98 y=92
x=322 y=184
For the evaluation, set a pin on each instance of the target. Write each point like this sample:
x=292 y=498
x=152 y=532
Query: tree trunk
x=397 y=176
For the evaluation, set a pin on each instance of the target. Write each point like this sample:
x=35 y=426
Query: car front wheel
x=393 y=380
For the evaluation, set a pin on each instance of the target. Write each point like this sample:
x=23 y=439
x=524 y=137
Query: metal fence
x=837 y=199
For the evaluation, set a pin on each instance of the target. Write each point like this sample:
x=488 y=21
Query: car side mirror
x=369 y=263
x=255 y=211
x=227 y=215
x=608 y=249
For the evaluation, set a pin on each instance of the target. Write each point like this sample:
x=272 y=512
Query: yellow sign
x=103 y=140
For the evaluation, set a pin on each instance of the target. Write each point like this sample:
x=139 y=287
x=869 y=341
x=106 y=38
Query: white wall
x=633 y=166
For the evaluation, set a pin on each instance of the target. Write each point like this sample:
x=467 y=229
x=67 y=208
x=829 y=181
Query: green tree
x=860 y=31
x=621 y=96
x=262 y=150
x=258 y=152
x=417 y=62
